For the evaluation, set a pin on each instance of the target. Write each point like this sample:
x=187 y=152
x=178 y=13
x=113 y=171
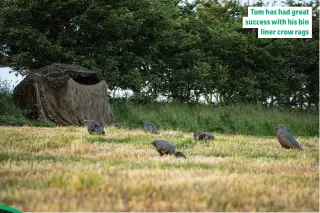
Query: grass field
x=244 y=119
x=65 y=169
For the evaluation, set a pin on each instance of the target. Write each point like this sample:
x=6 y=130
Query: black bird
x=94 y=128
x=166 y=148
x=150 y=127
x=286 y=139
x=203 y=136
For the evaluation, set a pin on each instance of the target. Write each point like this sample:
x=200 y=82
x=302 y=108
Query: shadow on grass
x=27 y=157
x=127 y=140
x=101 y=139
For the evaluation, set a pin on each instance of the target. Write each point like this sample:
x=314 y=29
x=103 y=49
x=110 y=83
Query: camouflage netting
x=64 y=94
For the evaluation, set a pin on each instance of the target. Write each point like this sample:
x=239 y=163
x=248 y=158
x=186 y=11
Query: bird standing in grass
x=203 y=136
x=286 y=139
x=94 y=128
x=150 y=127
x=166 y=148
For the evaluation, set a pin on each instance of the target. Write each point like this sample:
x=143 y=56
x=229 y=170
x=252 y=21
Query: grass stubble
x=65 y=169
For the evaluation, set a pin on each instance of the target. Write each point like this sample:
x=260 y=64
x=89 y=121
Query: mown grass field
x=65 y=169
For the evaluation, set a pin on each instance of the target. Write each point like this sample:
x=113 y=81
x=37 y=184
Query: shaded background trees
x=181 y=50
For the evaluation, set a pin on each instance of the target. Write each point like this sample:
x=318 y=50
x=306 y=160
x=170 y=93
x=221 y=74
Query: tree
x=178 y=49
x=117 y=38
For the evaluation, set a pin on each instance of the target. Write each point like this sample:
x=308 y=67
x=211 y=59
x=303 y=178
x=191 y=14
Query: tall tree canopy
x=178 y=49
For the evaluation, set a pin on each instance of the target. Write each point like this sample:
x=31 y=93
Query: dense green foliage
x=177 y=49
x=8 y=112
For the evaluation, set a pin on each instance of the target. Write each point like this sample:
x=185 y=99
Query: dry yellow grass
x=65 y=169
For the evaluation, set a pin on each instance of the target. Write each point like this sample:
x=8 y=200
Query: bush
x=10 y=114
